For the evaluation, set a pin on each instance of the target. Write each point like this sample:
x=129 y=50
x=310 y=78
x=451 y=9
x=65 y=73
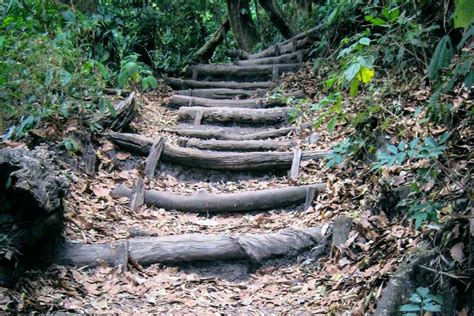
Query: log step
x=195 y=158
x=237 y=145
x=223 y=93
x=225 y=202
x=230 y=70
x=228 y=134
x=177 y=83
x=181 y=100
x=193 y=247
x=296 y=57
x=235 y=115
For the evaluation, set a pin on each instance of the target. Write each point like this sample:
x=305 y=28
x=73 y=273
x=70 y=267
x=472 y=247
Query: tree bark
x=203 y=202
x=179 y=100
x=205 y=53
x=224 y=135
x=222 y=93
x=190 y=84
x=275 y=15
x=241 y=22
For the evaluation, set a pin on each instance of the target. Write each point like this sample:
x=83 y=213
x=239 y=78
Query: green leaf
x=410 y=308
x=364 y=41
x=64 y=77
x=441 y=57
x=415 y=298
x=423 y=291
x=149 y=82
x=392 y=149
x=354 y=88
x=352 y=71
x=375 y=21
x=463 y=13
x=469 y=80
x=432 y=307
x=467 y=35
x=332 y=124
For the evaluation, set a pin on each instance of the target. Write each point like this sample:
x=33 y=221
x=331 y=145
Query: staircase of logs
x=226 y=123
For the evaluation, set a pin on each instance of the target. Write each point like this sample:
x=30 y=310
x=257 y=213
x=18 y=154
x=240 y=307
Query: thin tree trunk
x=243 y=28
x=205 y=53
x=276 y=16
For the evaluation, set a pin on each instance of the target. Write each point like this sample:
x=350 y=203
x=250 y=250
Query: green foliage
x=441 y=57
x=133 y=72
x=422 y=301
x=70 y=145
x=464 y=13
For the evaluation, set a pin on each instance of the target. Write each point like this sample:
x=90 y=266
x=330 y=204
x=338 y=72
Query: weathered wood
x=180 y=100
x=341 y=229
x=282 y=59
x=192 y=84
x=295 y=164
x=198 y=118
x=224 y=202
x=195 y=247
x=154 y=156
x=310 y=195
x=272 y=51
x=230 y=70
x=223 y=134
x=222 y=93
x=237 y=145
x=90 y=160
x=214 y=160
x=125 y=112
x=137 y=198
x=240 y=115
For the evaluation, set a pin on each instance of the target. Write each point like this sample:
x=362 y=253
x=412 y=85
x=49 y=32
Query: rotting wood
x=310 y=195
x=180 y=100
x=213 y=160
x=194 y=247
x=222 y=93
x=237 y=145
x=230 y=70
x=272 y=51
x=295 y=164
x=154 y=156
x=282 y=59
x=90 y=160
x=125 y=112
x=137 y=196
x=223 y=134
x=229 y=115
x=191 y=84
x=198 y=118
x=224 y=202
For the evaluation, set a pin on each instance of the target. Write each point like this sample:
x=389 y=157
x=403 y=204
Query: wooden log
x=192 y=84
x=180 y=100
x=154 y=156
x=223 y=134
x=197 y=247
x=240 y=115
x=230 y=70
x=90 y=160
x=137 y=198
x=214 y=160
x=310 y=195
x=125 y=112
x=237 y=145
x=282 y=59
x=222 y=93
x=224 y=202
x=295 y=164
x=275 y=50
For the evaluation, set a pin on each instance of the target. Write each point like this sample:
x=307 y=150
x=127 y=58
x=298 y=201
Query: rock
x=31 y=211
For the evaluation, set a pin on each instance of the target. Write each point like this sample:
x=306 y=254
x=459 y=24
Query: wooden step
x=296 y=57
x=193 y=84
x=234 y=115
x=195 y=158
x=223 y=93
x=182 y=100
x=223 y=133
x=237 y=145
x=232 y=71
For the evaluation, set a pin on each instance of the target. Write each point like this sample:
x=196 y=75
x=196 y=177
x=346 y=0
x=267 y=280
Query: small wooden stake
x=295 y=165
x=310 y=194
x=90 y=160
x=195 y=74
x=137 y=198
x=275 y=73
x=198 y=118
x=299 y=57
x=154 y=156
x=294 y=44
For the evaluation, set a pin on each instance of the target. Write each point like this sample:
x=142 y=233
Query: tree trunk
x=275 y=15
x=205 y=53
x=243 y=28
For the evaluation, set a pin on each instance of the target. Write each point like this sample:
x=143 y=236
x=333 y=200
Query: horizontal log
x=237 y=145
x=214 y=160
x=181 y=100
x=222 y=93
x=296 y=57
x=224 y=202
x=198 y=247
x=230 y=70
x=234 y=115
x=177 y=83
x=224 y=134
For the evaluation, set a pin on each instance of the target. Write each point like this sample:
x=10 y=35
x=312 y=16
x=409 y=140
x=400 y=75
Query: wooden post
x=198 y=118
x=154 y=156
x=275 y=73
x=310 y=194
x=294 y=44
x=295 y=165
x=137 y=198
x=195 y=74
x=299 y=57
